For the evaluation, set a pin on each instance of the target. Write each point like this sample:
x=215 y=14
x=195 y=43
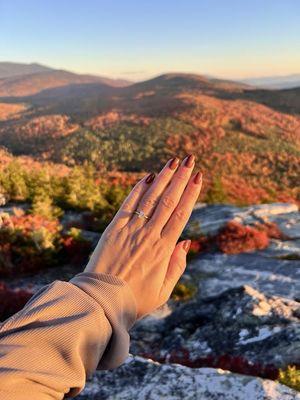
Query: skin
x=145 y=253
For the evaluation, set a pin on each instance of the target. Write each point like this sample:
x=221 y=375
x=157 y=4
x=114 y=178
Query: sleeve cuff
x=118 y=302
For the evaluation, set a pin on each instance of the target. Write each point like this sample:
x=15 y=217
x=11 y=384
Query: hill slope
x=286 y=100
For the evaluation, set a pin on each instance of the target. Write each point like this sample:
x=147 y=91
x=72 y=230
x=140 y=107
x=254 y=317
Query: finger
x=182 y=212
x=148 y=202
x=176 y=268
x=130 y=203
x=171 y=196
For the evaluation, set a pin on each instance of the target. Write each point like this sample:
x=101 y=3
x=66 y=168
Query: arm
x=69 y=329
x=64 y=332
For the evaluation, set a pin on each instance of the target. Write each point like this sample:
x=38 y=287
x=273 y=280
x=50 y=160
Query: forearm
x=65 y=332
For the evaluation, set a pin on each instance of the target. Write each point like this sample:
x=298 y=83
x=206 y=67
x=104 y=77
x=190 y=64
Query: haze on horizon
x=138 y=40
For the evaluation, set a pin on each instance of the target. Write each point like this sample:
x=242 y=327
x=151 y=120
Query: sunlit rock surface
x=213 y=217
x=215 y=272
x=274 y=271
x=142 y=379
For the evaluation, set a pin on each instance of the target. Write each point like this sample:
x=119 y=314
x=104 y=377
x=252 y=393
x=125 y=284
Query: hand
x=144 y=252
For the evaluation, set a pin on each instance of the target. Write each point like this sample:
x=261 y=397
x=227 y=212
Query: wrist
x=117 y=300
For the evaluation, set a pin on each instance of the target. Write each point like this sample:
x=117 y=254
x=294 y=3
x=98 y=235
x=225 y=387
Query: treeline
x=36 y=237
x=49 y=195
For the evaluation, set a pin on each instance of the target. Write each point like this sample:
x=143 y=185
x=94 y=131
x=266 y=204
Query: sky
x=139 y=39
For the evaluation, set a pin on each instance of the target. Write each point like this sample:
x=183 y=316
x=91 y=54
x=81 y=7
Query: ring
x=141 y=214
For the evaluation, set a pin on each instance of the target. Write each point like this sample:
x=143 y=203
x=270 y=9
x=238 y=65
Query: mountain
x=275 y=82
x=29 y=84
x=157 y=96
x=180 y=81
x=9 y=69
x=247 y=139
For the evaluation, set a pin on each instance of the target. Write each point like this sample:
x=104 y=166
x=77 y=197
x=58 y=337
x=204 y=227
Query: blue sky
x=139 y=39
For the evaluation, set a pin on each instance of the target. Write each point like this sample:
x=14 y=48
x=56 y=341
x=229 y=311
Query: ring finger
x=148 y=202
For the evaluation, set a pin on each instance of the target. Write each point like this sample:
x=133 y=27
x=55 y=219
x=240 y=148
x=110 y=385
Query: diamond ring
x=141 y=214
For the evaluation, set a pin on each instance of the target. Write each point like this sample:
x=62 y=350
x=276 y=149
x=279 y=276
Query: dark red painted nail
x=198 y=177
x=150 y=178
x=174 y=163
x=187 y=245
x=189 y=160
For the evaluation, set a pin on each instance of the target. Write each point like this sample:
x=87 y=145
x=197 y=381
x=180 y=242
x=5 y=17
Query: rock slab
x=142 y=379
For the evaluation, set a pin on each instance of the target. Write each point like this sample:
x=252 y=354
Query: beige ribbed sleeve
x=63 y=334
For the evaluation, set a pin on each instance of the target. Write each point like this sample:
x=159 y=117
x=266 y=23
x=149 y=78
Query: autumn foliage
x=27 y=243
x=248 y=151
x=75 y=248
x=235 y=238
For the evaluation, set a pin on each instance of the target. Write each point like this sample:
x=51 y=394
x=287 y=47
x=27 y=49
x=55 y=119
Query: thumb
x=176 y=268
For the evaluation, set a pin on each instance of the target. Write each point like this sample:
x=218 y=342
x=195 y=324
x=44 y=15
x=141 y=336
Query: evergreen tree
x=216 y=193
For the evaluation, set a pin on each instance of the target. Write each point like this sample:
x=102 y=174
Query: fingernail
x=189 y=160
x=198 y=177
x=187 y=245
x=150 y=178
x=174 y=163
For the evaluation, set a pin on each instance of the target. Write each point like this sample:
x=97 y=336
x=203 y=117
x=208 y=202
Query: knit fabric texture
x=66 y=331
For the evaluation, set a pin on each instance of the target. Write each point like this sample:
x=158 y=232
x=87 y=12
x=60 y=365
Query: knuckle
x=179 y=264
x=127 y=207
x=168 y=202
x=181 y=175
x=165 y=174
x=108 y=238
x=180 y=214
x=152 y=233
x=135 y=191
x=150 y=202
x=130 y=199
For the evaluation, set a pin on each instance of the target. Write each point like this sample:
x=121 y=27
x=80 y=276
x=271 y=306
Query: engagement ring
x=141 y=214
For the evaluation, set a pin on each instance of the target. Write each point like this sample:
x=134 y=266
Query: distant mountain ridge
x=179 y=80
x=275 y=82
x=28 y=79
x=10 y=69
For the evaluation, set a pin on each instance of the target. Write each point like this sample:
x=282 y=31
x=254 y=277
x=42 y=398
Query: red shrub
x=30 y=223
x=11 y=301
x=76 y=251
x=200 y=245
x=233 y=363
x=272 y=230
x=235 y=238
x=195 y=246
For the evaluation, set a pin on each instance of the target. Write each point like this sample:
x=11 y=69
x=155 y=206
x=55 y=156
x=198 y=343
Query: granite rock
x=241 y=329
x=142 y=379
